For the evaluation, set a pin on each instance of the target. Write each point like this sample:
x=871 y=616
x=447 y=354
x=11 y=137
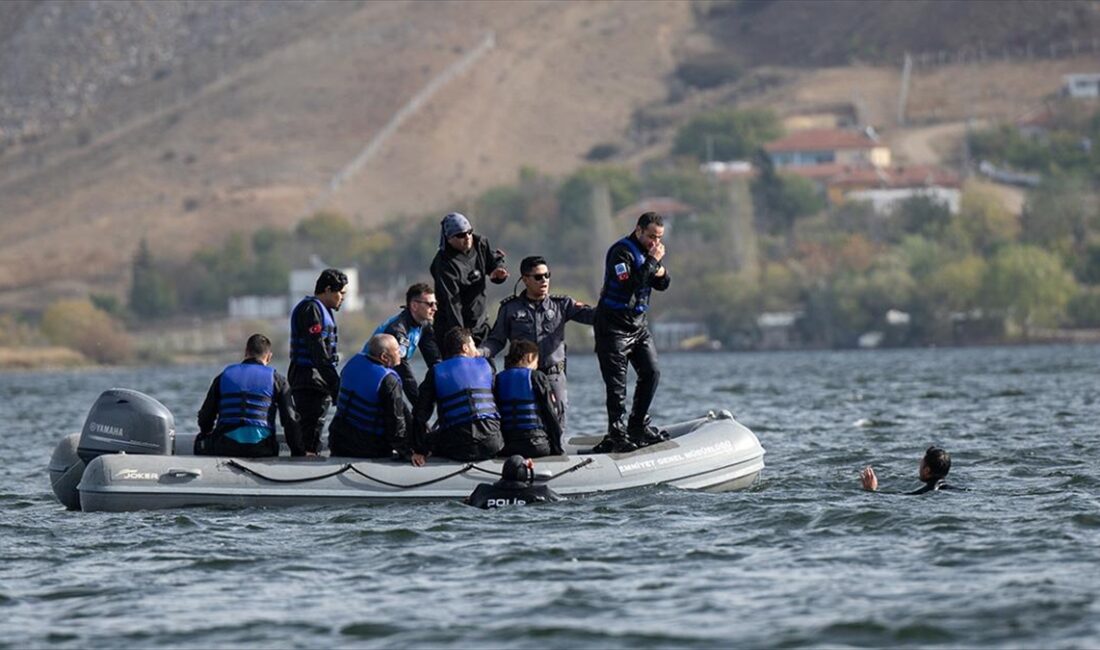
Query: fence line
x=981 y=53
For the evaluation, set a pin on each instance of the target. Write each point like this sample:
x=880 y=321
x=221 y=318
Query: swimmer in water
x=933 y=471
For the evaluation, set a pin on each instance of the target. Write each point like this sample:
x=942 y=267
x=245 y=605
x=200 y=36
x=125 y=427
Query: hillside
x=184 y=160
x=181 y=122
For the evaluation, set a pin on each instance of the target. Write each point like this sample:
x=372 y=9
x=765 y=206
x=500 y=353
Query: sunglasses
x=539 y=277
x=463 y=235
x=430 y=303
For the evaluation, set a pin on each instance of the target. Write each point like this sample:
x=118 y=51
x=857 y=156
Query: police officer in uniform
x=529 y=412
x=468 y=427
x=515 y=488
x=237 y=417
x=631 y=271
x=464 y=261
x=412 y=327
x=537 y=316
x=313 y=356
x=370 y=412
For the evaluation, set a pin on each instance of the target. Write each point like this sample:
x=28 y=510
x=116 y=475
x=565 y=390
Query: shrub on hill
x=79 y=325
x=726 y=134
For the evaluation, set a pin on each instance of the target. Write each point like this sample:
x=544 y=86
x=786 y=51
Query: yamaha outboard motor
x=121 y=420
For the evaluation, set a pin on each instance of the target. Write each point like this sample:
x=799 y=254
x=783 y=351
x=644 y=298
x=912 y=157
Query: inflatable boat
x=128 y=457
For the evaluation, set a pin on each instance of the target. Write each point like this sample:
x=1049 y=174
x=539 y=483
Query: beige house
x=816 y=147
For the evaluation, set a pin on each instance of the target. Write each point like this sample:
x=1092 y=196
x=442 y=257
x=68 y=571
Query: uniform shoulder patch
x=508 y=299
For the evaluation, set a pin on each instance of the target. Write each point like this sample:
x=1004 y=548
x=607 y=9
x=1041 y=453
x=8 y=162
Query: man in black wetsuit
x=313 y=356
x=370 y=419
x=631 y=271
x=237 y=417
x=933 y=471
x=515 y=488
x=412 y=327
x=530 y=415
x=461 y=387
x=459 y=269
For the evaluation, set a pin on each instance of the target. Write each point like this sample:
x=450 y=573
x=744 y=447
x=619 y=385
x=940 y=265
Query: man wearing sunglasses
x=412 y=327
x=460 y=268
x=631 y=271
x=537 y=316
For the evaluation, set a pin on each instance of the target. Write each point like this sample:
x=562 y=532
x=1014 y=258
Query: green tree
x=984 y=218
x=1029 y=285
x=732 y=134
x=152 y=294
x=779 y=199
x=1060 y=214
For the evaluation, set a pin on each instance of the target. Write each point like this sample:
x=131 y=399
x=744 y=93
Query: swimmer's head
x=935 y=465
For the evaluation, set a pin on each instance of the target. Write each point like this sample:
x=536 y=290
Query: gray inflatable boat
x=128 y=457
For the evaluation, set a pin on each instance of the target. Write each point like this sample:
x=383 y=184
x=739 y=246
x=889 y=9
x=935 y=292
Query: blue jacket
x=464 y=391
x=359 y=403
x=516 y=401
x=247 y=393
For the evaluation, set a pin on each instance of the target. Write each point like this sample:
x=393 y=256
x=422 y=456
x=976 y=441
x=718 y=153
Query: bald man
x=370 y=411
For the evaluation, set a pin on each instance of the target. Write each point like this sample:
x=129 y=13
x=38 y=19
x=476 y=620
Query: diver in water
x=933 y=471
x=515 y=488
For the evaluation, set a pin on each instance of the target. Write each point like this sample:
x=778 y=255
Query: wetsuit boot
x=643 y=434
x=616 y=441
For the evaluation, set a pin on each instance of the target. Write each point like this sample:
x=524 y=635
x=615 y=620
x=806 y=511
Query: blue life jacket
x=616 y=294
x=516 y=401
x=299 y=350
x=247 y=391
x=464 y=391
x=413 y=334
x=359 y=403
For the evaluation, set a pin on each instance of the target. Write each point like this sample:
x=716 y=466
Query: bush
x=733 y=134
x=709 y=71
x=79 y=325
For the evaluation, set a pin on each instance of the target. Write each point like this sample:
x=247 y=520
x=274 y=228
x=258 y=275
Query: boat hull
x=714 y=453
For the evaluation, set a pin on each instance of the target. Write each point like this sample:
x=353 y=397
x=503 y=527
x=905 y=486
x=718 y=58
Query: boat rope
x=351 y=467
x=248 y=470
x=574 y=468
x=465 y=468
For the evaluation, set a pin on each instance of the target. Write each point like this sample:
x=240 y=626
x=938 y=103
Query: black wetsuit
x=543 y=440
x=460 y=288
x=510 y=493
x=622 y=337
x=935 y=486
x=317 y=384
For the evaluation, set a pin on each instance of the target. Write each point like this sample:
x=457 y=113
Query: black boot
x=616 y=441
x=644 y=434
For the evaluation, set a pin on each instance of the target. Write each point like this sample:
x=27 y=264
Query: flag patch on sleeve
x=622 y=271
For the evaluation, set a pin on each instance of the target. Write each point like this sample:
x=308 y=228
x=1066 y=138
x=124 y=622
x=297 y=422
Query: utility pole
x=903 y=95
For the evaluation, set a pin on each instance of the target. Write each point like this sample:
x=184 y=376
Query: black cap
x=530 y=263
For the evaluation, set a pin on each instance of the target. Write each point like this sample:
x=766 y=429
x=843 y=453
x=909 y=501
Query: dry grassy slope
x=257 y=146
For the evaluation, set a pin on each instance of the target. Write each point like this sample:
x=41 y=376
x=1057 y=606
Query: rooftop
x=824 y=140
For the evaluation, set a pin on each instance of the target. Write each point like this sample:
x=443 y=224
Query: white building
x=886 y=200
x=1081 y=85
x=301 y=283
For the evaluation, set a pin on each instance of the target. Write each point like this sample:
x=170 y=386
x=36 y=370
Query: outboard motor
x=121 y=420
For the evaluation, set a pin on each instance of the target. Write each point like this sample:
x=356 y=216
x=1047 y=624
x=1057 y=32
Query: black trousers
x=615 y=351
x=219 y=445
x=529 y=444
x=312 y=405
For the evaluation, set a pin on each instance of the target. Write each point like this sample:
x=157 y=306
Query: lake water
x=804 y=558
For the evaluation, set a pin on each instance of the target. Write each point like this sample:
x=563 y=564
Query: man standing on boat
x=632 y=270
x=370 y=412
x=461 y=388
x=537 y=316
x=237 y=417
x=412 y=327
x=459 y=269
x=313 y=356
